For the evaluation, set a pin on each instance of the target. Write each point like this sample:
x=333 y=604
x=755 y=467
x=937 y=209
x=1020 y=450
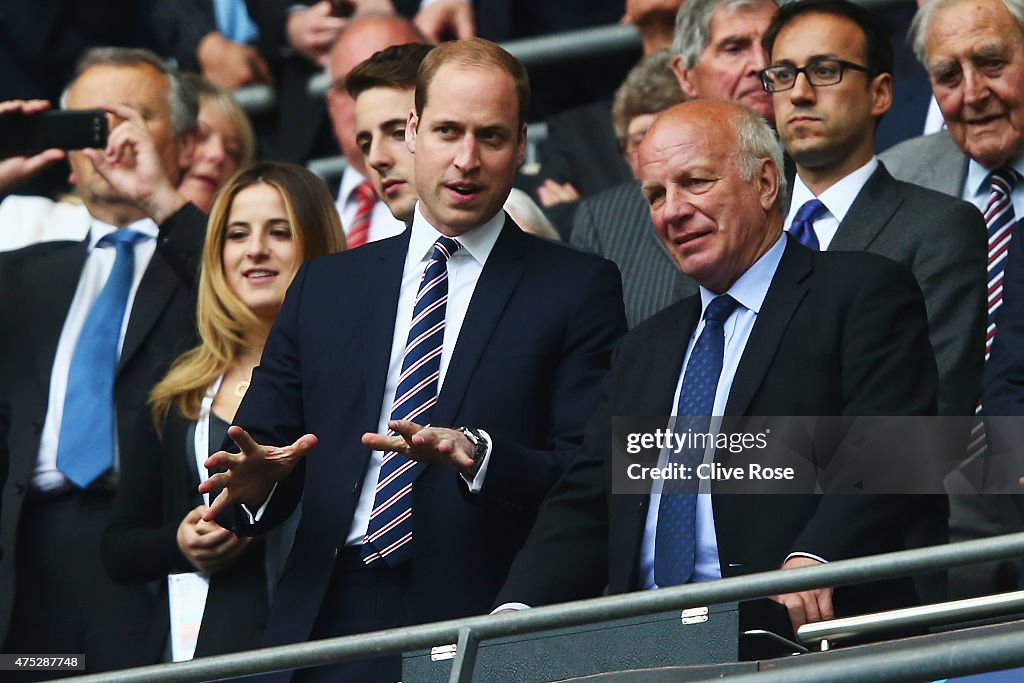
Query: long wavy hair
x=224 y=321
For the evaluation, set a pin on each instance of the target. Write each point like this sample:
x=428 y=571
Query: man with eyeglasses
x=830 y=79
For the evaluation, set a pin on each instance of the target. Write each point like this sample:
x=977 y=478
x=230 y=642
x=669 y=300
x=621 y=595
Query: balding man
x=746 y=345
x=364 y=217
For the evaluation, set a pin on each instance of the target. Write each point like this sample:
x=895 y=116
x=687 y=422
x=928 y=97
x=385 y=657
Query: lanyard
x=202 y=438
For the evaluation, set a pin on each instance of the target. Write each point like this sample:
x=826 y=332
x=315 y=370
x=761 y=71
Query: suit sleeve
x=272 y=410
x=951 y=272
x=181 y=241
x=888 y=369
x=180 y=26
x=518 y=478
x=139 y=545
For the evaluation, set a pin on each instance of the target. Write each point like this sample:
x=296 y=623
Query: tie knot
x=365 y=192
x=444 y=247
x=810 y=211
x=124 y=236
x=1003 y=178
x=720 y=308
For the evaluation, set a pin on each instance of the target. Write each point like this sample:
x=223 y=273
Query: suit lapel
x=60 y=268
x=874 y=206
x=383 y=287
x=784 y=295
x=155 y=291
x=501 y=274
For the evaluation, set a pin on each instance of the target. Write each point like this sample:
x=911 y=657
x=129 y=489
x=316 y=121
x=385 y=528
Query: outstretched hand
x=249 y=476
x=424 y=444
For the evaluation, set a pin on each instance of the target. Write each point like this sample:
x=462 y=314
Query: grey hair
x=182 y=101
x=923 y=19
x=756 y=141
x=693 y=25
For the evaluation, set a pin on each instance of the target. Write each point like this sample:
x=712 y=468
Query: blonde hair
x=223 y=320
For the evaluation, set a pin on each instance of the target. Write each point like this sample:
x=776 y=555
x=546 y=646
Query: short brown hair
x=394 y=67
x=473 y=52
x=650 y=87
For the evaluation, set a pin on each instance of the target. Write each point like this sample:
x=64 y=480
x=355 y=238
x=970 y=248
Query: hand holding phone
x=32 y=132
x=14 y=167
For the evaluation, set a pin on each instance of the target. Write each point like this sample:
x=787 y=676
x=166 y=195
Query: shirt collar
x=98 y=230
x=478 y=242
x=350 y=180
x=977 y=175
x=839 y=197
x=752 y=287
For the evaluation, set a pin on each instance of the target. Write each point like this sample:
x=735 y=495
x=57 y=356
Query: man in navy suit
x=527 y=330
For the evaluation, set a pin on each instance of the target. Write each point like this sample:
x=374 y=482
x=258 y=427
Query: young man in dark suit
x=776 y=330
x=495 y=339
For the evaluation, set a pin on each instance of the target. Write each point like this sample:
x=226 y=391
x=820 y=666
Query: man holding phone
x=90 y=325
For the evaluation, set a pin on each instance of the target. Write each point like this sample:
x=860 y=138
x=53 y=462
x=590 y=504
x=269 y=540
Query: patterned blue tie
x=389 y=534
x=675 y=539
x=85 y=449
x=802 y=227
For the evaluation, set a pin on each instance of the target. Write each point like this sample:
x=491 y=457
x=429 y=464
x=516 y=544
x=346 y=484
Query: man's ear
x=521 y=146
x=766 y=181
x=881 y=94
x=186 y=150
x=684 y=77
x=411 y=129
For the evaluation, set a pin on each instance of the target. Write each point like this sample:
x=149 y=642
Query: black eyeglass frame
x=844 y=66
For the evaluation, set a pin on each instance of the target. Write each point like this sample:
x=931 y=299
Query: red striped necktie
x=359 y=232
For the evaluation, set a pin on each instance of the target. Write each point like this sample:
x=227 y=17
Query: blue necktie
x=802 y=227
x=389 y=534
x=233 y=21
x=675 y=539
x=86 y=446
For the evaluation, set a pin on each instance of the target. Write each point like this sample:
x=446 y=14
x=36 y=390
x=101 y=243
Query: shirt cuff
x=517 y=606
x=476 y=484
x=810 y=555
x=253 y=519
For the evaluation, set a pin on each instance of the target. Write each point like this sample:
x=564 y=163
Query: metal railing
x=469 y=632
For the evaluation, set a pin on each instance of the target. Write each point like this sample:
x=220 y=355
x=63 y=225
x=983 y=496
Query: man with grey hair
x=974 y=55
x=92 y=325
x=718 y=54
x=767 y=306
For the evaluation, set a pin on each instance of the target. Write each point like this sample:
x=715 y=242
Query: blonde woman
x=268 y=219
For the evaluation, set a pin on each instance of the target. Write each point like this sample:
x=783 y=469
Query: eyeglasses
x=818 y=72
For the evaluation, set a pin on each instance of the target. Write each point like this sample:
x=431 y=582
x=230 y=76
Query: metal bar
x=465 y=657
x=924 y=615
x=580 y=612
x=922 y=662
x=256 y=99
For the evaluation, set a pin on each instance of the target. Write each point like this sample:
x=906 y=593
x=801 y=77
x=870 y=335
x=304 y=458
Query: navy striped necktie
x=676 y=536
x=389 y=534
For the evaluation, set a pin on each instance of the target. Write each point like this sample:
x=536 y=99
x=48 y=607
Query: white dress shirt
x=464 y=268
x=837 y=200
x=98 y=264
x=382 y=223
x=934 y=121
x=26 y=220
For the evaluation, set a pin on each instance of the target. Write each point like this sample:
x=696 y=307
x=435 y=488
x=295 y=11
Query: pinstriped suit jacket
x=616 y=224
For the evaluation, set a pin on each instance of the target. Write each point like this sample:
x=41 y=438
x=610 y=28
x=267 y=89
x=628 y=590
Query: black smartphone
x=63 y=129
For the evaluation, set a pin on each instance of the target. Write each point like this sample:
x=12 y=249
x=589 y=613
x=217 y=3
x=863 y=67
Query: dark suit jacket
x=838 y=334
x=534 y=345
x=37 y=284
x=617 y=224
x=943 y=241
